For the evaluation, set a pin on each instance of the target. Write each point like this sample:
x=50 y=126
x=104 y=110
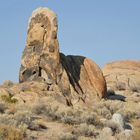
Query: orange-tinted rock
x=123 y=75
x=85 y=76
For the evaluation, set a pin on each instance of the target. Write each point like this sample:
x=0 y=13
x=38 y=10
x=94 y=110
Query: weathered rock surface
x=84 y=75
x=77 y=77
x=119 y=120
x=41 y=58
x=123 y=75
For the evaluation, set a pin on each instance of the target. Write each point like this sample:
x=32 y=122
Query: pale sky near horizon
x=103 y=30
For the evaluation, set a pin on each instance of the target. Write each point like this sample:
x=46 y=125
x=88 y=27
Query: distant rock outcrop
x=77 y=77
x=123 y=75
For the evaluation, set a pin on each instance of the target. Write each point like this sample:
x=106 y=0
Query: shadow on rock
x=113 y=96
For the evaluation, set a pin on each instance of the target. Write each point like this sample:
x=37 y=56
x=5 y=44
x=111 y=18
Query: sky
x=103 y=30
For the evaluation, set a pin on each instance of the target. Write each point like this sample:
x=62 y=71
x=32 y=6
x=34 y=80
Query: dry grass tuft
x=10 y=133
x=68 y=136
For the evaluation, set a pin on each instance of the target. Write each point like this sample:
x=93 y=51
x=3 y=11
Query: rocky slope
x=62 y=97
x=33 y=113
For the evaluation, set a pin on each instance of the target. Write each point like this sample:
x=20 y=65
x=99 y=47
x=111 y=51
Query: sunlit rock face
x=40 y=60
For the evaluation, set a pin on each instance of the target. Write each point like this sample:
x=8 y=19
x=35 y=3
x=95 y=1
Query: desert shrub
x=101 y=109
x=39 y=108
x=22 y=120
x=68 y=136
x=3 y=107
x=121 y=86
x=130 y=114
x=41 y=123
x=91 y=118
x=105 y=112
x=114 y=106
x=46 y=109
x=8 y=99
x=8 y=84
x=114 y=126
x=68 y=116
x=65 y=114
x=7 y=119
x=55 y=113
x=125 y=135
x=12 y=109
x=105 y=134
x=70 y=120
x=10 y=133
x=84 y=130
x=76 y=117
x=25 y=119
x=107 y=108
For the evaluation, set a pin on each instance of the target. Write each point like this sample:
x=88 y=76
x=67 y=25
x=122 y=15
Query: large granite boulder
x=77 y=77
x=85 y=76
x=123 y=75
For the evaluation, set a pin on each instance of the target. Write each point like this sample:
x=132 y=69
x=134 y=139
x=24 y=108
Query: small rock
x=119 y=120
x=107 y=131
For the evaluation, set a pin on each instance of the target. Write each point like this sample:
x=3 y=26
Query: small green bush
x=8 y=99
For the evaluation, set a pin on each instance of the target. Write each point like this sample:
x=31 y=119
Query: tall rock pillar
x=41 y=59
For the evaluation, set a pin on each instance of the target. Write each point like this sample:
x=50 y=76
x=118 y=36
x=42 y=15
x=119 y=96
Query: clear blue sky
x=103 y=30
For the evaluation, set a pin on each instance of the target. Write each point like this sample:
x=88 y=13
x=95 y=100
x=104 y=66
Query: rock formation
x=77 y=77
x=84 y=75
x=41 y=56
x=55 y=98
x=123 y=75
